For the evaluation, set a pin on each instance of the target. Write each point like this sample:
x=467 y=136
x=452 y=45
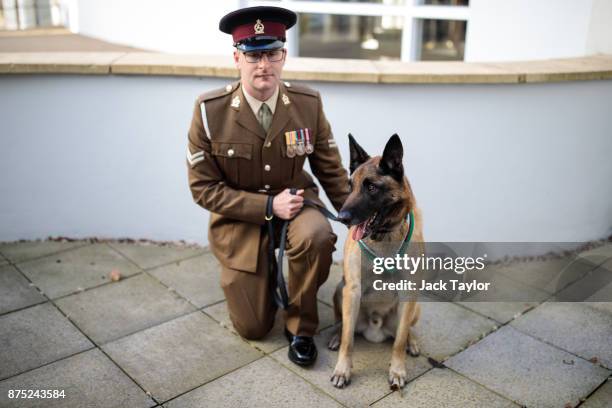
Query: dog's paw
x=334 y=342
x=413 y=348
x=397 y=376
x=342 y=375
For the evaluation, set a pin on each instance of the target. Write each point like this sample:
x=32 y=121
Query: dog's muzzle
x=344 y=217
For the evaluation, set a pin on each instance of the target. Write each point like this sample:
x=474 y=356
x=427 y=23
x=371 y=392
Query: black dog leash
x=275 y=265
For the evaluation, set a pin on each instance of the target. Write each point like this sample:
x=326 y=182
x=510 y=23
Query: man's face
x=262 y=76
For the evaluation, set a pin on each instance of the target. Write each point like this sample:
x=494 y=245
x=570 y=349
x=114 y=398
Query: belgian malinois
x=376 y=210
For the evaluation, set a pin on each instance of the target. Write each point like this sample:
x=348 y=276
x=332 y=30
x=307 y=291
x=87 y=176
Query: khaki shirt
x=233 y=165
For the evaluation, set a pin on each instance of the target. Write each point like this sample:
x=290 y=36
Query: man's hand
x=286 y=205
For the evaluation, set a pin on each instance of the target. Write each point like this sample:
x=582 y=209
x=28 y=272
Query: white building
x=520 y=154
x=469 y=30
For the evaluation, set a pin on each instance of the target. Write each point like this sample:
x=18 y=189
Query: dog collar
x=372 y=255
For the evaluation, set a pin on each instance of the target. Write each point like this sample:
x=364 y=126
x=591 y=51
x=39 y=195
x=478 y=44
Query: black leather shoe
x=302 y=349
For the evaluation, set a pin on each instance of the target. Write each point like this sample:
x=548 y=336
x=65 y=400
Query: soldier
x=248 y=141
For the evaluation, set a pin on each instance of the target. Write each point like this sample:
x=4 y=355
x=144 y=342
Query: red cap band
x=264 y=28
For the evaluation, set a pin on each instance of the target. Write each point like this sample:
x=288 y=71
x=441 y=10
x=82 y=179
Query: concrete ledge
x=144 y=63
x=86 y=63
x=311 y=69
x=35 y=31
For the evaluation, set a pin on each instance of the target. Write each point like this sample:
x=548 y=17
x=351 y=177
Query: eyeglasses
x=272 y=55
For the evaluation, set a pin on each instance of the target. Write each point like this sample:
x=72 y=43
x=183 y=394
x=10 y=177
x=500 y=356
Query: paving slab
x=596 y=282
x=77 y=269
x=327 y=290
x=370 y=369
x=503 y=287
x=502 y=312
x=595 y=285
x=15 y=291
x=445 y=329
x=528 y=371
x=196 y=279
x=149 y=255
x=180 y=355
x=602 y=398
x=444 y=388
x=276 y=338
x=88 y=379
x=35 y=336
x=22 y=251
x=263 y=383
x=511 y=285
x=602 y=306
x=124 y=307
x=574 y=327
x=601 y=252
x=549 y=275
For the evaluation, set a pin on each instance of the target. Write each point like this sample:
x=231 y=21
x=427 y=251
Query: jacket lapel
x=282 y=113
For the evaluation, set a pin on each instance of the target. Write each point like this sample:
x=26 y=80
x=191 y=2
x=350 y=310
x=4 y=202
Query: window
x=379 y=29
x=441 y=40
x=447 y=2
x=399 y=2
x=344 y=36
x=23 y=14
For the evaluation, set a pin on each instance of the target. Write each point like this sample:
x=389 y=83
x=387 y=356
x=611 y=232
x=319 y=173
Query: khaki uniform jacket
x=233 y=165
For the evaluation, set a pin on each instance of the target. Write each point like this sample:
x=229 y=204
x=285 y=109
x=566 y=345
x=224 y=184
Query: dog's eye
x=372 y=188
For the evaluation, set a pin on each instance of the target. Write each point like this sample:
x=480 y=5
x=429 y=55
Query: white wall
x=179 y=26
x=498 y=30
x=105 y=156
x=599 y=40
x=70 y=11
x=503 y=30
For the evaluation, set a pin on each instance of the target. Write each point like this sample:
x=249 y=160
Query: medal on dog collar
x=300 y=149
x=372 y=255
x=309 y=146
x=290 y=144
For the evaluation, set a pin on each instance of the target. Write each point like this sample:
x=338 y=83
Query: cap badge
x=286 y=100
x=259 y=27
x=236 y=102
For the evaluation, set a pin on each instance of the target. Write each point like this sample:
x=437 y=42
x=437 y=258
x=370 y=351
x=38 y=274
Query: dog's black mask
x=372 y=197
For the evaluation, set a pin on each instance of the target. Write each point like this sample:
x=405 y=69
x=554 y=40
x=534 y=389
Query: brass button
x=267 y=167
x=268 y=144
x=267 y=186
x=230 y=152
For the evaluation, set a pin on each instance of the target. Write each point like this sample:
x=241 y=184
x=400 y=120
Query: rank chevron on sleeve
x=195 y=158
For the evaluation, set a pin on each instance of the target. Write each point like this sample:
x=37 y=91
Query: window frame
x=413 y=12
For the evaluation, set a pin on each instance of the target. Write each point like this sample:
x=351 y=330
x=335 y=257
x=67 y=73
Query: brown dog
x=377 y=209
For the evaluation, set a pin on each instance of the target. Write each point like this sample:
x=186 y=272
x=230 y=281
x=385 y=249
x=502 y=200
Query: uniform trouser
x=310 y=243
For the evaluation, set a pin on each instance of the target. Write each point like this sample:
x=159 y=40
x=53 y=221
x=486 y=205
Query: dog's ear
x=391 y=162
x=358 y=155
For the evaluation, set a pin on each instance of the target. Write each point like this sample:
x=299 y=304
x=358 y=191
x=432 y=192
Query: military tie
x=264 y=116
